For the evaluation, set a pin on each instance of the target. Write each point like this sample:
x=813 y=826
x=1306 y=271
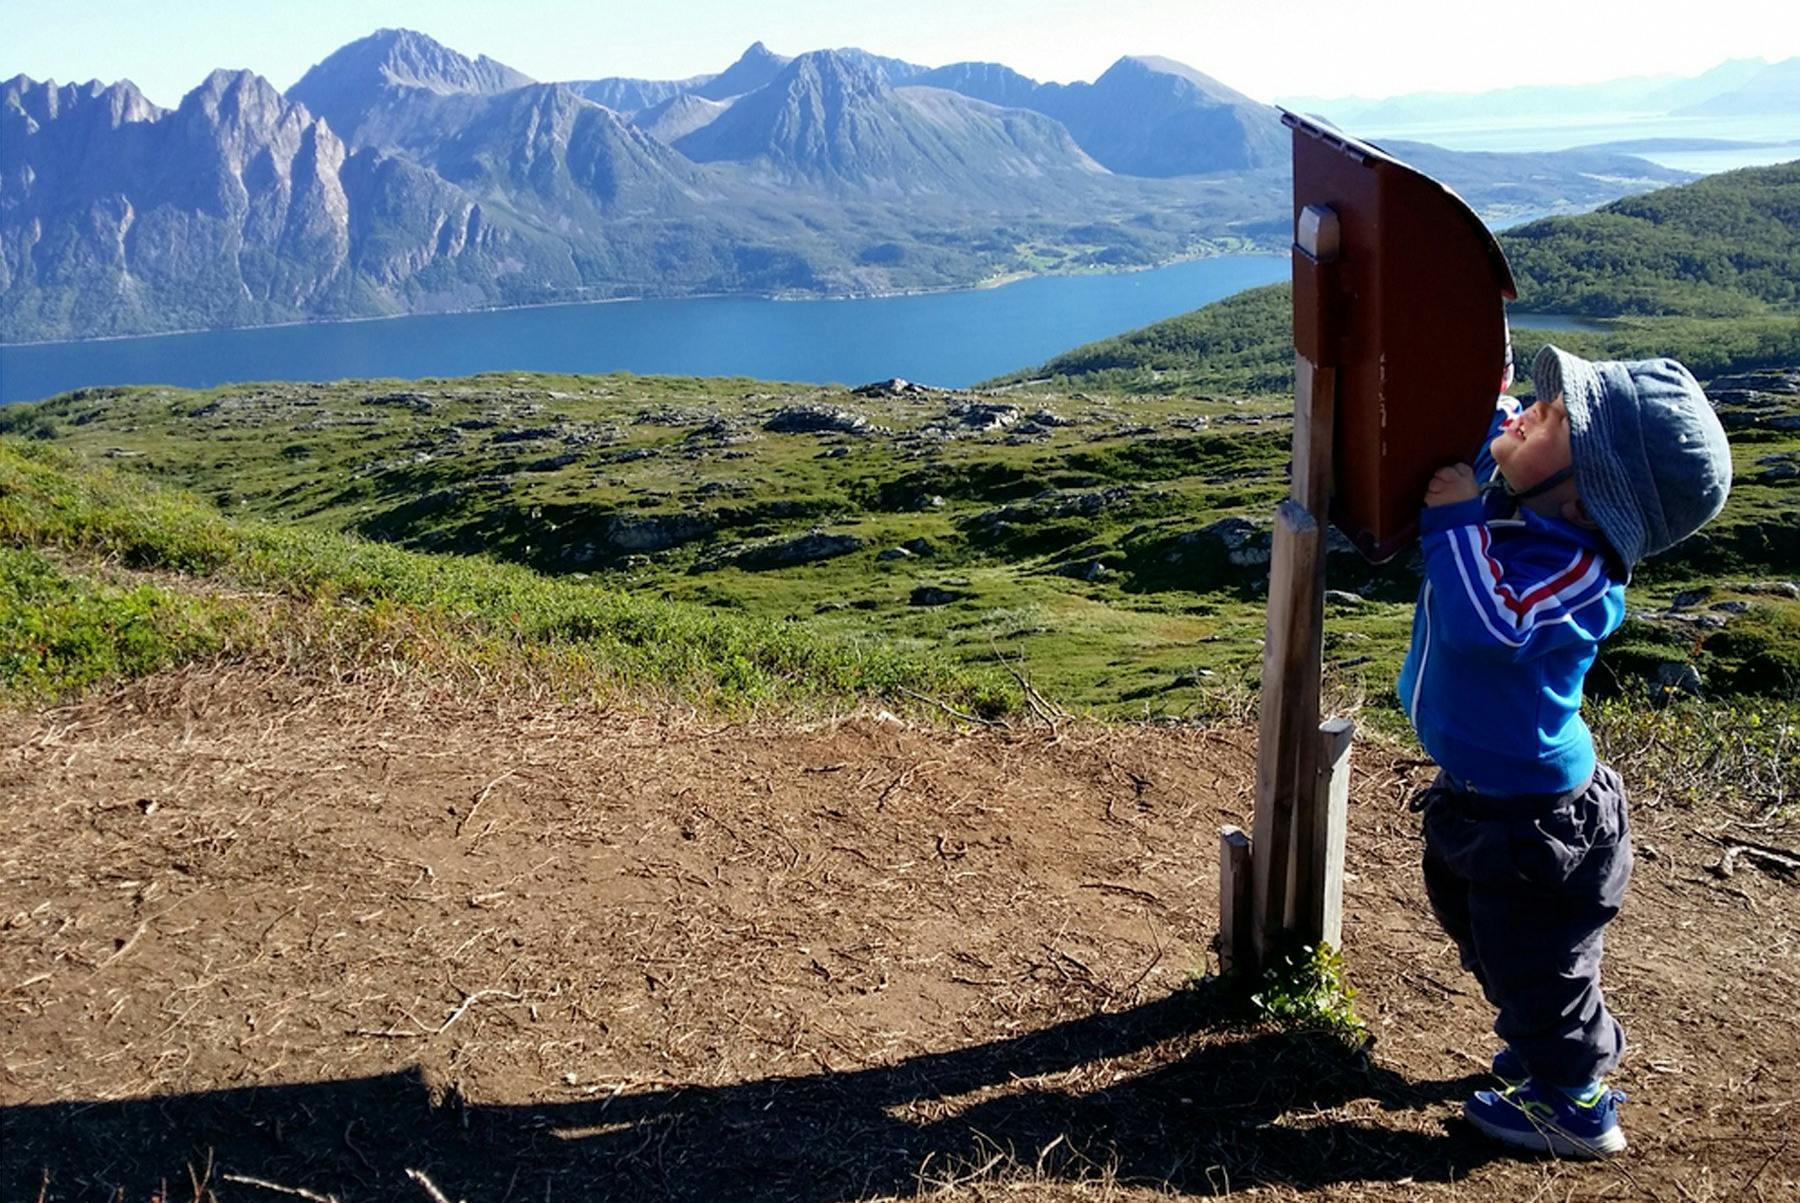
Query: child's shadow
x=1235 y=1109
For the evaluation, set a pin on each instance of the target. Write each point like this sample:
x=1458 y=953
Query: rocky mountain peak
x=833 y=73
x=112 y=105
x=1143 y=67
x=359 y=77
x=754 y=68
x=992 y=82
x=235 y=97
x=408 y=59
x=678 y=116
x=237 y=118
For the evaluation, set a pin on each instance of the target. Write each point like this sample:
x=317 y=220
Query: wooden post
x=1322 y=921
x=1287 y=739
x=1293 y=847
x=1234 y=900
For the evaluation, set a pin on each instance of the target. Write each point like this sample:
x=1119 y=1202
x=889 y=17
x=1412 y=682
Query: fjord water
x=951 y=339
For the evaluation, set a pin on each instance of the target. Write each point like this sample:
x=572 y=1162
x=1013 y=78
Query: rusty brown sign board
x=1410 y=314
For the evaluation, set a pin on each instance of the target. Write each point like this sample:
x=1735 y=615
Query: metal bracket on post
x=1297 y=851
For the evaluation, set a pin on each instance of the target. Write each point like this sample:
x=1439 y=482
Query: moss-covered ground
x=1106 y=547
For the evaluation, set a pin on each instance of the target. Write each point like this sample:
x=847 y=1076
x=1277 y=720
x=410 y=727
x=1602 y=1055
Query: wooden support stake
x=1287 y=740
x=1292 y=841
x=1321 y=917
x=1235 y=887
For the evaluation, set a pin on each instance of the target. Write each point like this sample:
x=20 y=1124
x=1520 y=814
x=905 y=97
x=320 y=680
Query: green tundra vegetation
x=1722 y=247
x=1110 y=549
x=105 y=576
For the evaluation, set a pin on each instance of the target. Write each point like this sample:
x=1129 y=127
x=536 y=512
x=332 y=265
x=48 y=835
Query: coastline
x=998 y=280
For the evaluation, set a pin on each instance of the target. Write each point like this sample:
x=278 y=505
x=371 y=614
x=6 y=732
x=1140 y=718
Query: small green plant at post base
x=1305 y=988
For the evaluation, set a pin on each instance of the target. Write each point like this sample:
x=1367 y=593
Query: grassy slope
x=1724 y=246
x=1122 y=610
x=104 y=575
x=340 y=458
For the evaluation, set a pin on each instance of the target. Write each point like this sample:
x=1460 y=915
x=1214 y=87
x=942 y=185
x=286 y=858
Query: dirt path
x=328 y=935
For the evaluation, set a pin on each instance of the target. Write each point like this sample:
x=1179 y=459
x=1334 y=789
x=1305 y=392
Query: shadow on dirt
x=1211 y=1113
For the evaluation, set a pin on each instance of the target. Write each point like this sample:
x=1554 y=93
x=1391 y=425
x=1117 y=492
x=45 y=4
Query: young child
x=1527 y=850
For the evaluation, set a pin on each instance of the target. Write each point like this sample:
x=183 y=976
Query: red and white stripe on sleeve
x=1511 y=611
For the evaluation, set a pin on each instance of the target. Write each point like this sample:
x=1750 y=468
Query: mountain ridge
x=440 y=181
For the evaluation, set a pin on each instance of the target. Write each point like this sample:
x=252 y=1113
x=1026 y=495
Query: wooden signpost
x=1400 y=345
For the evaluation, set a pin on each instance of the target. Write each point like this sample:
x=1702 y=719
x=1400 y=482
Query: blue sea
x=951 y=339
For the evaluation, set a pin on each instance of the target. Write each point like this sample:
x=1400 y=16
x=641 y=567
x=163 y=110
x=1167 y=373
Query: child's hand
x=1451 y=485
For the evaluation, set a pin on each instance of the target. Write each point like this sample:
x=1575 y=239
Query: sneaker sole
x=1547 y=1139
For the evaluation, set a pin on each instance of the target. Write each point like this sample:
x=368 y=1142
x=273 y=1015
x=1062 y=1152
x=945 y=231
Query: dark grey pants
x=1526 y=887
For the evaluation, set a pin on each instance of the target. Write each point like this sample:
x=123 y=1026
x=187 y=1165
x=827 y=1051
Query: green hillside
x=105 y=575
x=745 y=540
x=1706 y=272
x=1724 y=246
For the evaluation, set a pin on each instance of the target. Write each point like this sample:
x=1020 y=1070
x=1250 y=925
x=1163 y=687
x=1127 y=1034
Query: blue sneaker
x=1510 y=1068
x=1546 y=1119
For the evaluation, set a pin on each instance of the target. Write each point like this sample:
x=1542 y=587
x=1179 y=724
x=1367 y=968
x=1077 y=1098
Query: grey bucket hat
x=1651 y=459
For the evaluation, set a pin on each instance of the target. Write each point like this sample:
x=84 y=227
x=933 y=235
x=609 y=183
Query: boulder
x=789 y=551
x=816 y=419
x=1769 y=399
x=1674 y=677
x=1052 y=504
x=526 y=434
x=656 y=532
x=1245 y=543
x=892 y=387
x=935 y=595
x=1085 y=570
x=984 y=415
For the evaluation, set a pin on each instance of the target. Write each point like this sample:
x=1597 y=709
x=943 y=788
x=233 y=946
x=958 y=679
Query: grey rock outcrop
x=656 y=532
x=935 y=595
x=816 y=419
x=792 y=550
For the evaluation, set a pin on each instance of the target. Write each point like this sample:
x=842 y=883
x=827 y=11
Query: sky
x=1268 y=50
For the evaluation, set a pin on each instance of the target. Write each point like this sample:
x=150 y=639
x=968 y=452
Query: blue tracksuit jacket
x=1509 y=619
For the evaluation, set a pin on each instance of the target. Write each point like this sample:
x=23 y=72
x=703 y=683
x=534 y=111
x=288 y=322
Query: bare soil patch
x=260 y=928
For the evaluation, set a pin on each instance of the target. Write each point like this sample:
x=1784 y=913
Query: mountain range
x=398 y=175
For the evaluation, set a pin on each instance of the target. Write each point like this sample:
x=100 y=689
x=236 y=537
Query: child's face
x=1533 y=445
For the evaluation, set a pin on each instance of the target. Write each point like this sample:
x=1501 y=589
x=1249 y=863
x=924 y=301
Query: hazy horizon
x=1409 y=47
